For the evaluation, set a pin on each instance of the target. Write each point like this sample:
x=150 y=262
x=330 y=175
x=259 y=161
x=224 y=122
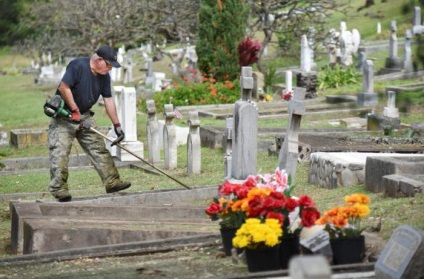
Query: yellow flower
x=254 y=233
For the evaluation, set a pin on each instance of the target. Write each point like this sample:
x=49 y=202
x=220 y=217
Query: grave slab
x=338 y=169
x=379 y=166
x=43 y=235
x=403 y=256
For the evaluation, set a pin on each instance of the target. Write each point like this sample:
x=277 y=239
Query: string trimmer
x=87 y=126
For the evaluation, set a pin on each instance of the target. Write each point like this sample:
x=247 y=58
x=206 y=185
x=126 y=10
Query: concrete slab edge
x=125 y=249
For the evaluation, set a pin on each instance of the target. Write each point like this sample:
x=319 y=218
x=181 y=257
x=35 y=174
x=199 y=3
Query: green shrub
x=205 y=93
x=337 y=76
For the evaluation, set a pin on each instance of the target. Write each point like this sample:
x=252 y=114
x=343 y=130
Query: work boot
x=63 y=195
x=118 y=187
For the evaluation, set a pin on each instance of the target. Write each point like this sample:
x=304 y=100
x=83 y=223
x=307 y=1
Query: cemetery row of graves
x=140 y=223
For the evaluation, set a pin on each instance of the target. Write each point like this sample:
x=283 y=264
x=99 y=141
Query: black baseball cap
x=109 y=55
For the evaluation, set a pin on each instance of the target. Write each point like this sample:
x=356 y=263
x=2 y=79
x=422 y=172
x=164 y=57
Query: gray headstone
x=152 y=131
x=417 y=16
x=407 y=59
x=367 y=97
x=391 y=111
x=403 y=255
x=169 y=138
x=289 y=152
x=193 y=144
x=228 y=146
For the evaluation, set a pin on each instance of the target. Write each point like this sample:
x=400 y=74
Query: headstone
x=289 y=86
x=393 y=61
x=258 y=84
x=417 y=27
x=194 y=158
x=116 y=73
x=391 y=111
x=289 y=151
x=128 y=76
x=169 y=138
x=362 y=58
x=403 y=255
x=305 y=55
x=152 y=131
x=407 y=59
x=245 y=131
x=309 y=267
x=379 y=28
x=128 y=119
x=367 y=97
x=228 y=146
x=116 y=94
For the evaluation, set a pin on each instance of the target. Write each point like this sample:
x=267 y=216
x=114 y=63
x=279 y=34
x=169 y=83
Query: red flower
x=213 y=208
x=306 y=201
x=275 y=215
x=309 y=216
x=291 y=204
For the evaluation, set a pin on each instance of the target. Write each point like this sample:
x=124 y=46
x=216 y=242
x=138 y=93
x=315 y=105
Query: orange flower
x=357 y=198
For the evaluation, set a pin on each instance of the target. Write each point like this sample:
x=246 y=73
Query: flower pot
x=263 y=259
x=227 y=236
x=289 y=247
x=348 y=250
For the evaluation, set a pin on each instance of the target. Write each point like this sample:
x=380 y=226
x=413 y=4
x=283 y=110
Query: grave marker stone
x=417 y=27
x=152 y=133
x=128 y=118
x=228 y=146
x=407 y=60
x=305 y=55
x=393 y=61
x=169 y=138
x=391 y=111
x=367 y=97
x=193 y=144
x=116 y=93
x=403 y=255
x=289 y=151
x=245 y=131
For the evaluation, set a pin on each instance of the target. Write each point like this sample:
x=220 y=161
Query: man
x=84 y=81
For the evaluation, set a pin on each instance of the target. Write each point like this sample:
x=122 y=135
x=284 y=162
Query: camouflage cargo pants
x=61 y=134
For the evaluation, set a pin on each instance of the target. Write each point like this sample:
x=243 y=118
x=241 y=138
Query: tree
x=222 y=26
x=284 y=22
x=10 y=11
x=77 y=27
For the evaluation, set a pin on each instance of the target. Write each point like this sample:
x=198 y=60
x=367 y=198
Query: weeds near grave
x=337 y=77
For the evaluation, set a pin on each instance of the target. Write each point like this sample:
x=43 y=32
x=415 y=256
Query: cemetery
x=354 y=145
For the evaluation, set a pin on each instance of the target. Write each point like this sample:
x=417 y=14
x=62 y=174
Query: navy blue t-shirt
x=86 y=87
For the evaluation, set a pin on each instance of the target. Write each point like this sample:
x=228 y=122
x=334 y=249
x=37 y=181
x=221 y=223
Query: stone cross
x=245 y=131
x=194 y=158
x=152 y=132
x=367 y=97
x=128 y=118
x=305 y=55
x=169 y=138
x=228 y=146
x=407 y=61
x=246 y=83
x=403 y=255
x=287 y=158
x=391 y=111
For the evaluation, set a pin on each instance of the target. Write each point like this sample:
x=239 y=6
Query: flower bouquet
x=260 y=239
x=343 y=223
